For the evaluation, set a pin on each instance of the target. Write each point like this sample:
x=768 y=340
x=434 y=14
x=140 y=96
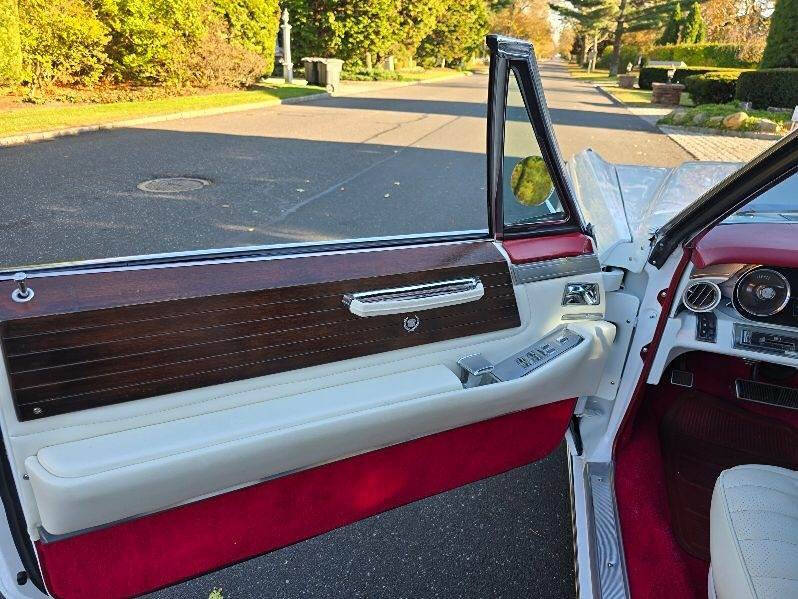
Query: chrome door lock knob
x=22 y=293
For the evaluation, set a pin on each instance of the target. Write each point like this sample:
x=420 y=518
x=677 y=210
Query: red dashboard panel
x=536 y=249
x=774 y=244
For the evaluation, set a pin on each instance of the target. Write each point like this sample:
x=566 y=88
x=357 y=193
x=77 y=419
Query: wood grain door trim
x=200 y=325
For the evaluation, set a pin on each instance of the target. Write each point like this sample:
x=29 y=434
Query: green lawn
x=28 y=119
x=638 y=97
x=598 y=75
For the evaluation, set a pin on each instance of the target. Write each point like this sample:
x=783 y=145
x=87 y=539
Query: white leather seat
x=754 y=534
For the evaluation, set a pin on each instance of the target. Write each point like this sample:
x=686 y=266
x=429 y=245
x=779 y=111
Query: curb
x=679 y=129
x=24 y=138
x=608 y=95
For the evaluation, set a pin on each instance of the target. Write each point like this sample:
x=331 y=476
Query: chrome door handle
x=581 y=294
x=426 y=296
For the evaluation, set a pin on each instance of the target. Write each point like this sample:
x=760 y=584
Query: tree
x=742 y=23
x=566 y=41
x=418 y=20
x=592 y=19
x=346 y=29
x=694 y=30
x=673 y=28
x=10 y=49
x=527 y=19
x=460 y=32
x=781 y=48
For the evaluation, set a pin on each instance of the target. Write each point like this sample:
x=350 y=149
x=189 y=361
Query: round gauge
x=763 y=292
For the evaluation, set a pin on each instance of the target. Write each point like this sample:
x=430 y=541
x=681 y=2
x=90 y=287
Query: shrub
x=649 y=75
x=628 y=54
x=370 y=75
x=253 y=25
x=705 y=55
x=768 y=87
x=152 y=40
x=712 y=88
x=62 y=42
x=10 y=49
x=218 y=61
x=781 y=50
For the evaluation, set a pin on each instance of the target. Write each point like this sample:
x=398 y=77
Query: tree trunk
x=583 y=53
x=594 y=51
x=616 y=43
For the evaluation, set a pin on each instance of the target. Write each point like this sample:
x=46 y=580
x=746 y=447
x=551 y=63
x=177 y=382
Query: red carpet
x=657 y=567
x=144 y=554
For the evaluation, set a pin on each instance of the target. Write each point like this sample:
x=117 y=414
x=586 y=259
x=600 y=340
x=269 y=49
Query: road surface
x=396 y=161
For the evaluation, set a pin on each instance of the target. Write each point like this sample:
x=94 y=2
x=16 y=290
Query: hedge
x=10 y=49
x=768 y=87
x=706 y=55
x=62 y=42
x=712 y=88
x=628 y=54
x=649 y=75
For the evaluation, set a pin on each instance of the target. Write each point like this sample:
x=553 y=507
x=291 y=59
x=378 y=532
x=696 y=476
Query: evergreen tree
x=592 y=19
x=781 y=48
x=694 y=30
x=671 y=34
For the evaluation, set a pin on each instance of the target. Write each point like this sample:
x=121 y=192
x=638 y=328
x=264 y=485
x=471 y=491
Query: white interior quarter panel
x=34 y=444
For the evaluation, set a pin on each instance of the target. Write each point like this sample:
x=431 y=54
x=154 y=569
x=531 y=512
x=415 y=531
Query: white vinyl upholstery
x=754 y=533
x=98 y=480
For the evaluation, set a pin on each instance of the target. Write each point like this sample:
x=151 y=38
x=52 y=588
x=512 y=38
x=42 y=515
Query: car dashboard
x=749 y=311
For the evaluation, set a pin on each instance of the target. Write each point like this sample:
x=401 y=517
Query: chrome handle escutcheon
x=581 y=294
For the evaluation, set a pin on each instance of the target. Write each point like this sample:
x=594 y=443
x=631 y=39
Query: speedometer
x=762 y=292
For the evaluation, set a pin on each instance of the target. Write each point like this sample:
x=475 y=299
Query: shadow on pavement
x=82 y=201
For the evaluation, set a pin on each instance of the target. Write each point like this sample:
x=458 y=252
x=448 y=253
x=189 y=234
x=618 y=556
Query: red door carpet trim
x=535 y=249
x=154 y=551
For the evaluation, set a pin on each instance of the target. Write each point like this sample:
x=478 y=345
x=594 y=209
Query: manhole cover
x=173 y=184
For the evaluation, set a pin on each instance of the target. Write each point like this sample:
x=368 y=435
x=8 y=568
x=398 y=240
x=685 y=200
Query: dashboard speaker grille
x=773 y=395
x=701 y=296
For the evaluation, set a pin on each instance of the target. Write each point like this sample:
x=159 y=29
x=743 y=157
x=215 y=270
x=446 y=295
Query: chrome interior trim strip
x=412 y=292
x=554 y=269
x=240 y=254
x=609 y=562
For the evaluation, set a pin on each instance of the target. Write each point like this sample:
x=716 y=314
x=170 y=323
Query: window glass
x=379 y=159
x=777 y=204
x=528 y=193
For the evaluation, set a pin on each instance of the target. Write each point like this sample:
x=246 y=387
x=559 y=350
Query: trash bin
x=311 y=70
x=330 y=73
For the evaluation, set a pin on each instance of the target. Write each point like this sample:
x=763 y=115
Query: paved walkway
x=726 y=148
x=701 y=145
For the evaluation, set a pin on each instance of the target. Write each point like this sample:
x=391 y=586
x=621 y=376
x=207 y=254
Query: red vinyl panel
x=536 y=249
x=141 y=555
x=774 y=244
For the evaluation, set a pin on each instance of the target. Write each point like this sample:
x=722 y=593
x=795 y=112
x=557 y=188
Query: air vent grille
x=701 y=296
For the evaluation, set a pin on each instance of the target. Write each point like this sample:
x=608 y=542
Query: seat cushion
x=754 y=533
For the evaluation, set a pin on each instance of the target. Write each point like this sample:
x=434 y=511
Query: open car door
x=162 y=418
